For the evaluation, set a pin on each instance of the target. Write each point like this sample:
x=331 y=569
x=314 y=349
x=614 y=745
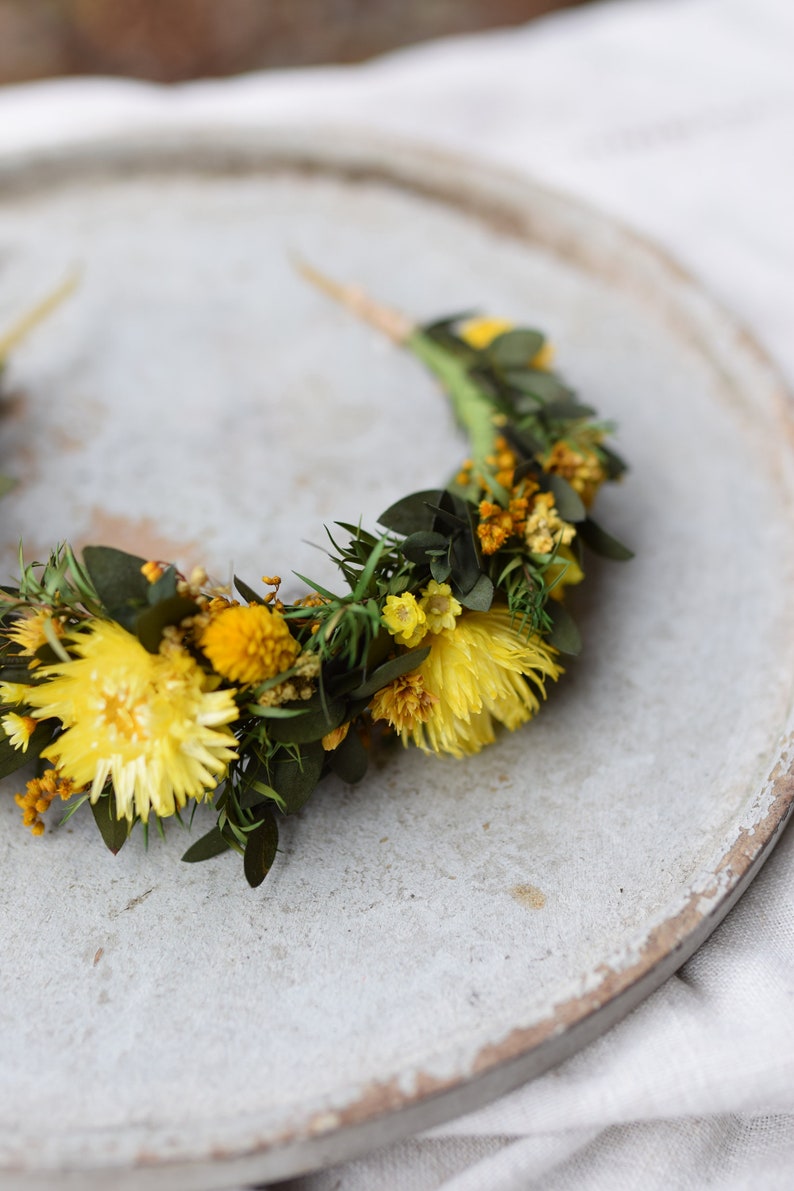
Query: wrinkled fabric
x=677 y=117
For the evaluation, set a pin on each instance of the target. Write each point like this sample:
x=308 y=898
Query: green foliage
x=114 y=831
x=472 y=534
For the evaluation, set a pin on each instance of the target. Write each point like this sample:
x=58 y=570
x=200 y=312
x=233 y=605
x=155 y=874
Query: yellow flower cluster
x=152 y=724
x=39 y=794
x=481 y=671
x=409 y=619
x=581 y=467
x=545 y=529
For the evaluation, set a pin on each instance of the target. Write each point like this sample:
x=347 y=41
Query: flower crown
x=140 y=691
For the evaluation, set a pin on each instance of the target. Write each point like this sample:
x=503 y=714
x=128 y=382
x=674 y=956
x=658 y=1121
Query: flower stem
x=472 y=406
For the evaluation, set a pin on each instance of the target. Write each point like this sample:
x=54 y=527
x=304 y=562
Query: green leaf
x=12 y=759
x=6 y=484
x=211 y=844
x=260 y=851
x=312 y=722
x=350 y=759
x=564 y=634
x=440 y=569
x=412 y=514
x=568 y=410
x=601 y=542
x=116 y=576
x=416 y=545
x=247 y=592
x=567 y=499
x=543 y=386
x=163 y=588
x=149 y=625
x=402 y=664
x=296 y=778
x=479 y=597
x=115 y=832
x=515 y=349
x=614 y=464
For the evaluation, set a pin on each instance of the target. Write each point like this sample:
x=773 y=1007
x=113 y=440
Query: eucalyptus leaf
x=440 y=569
x=568 y=410
x=615 y=466
x=163 y=588
x=295 y=779
x=416 y=545
x=479 y=597
x=247 y=592
x=260 y=851
x=601 y=542
x=402 y=664
x=543 y=386
x=211 y=844
x=411 y=514
x=567 y=499
x=116 y=576
x=564 y=634
x=312 y=721
x=149 y=625
x=350 y=759
x=114 y=831
x=515 y=349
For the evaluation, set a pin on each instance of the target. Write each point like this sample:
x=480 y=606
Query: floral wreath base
x=139 y=691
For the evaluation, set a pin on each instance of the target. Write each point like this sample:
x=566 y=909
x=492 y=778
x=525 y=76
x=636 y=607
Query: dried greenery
x=141 y=691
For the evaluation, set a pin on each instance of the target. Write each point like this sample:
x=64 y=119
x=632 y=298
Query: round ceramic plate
x=445 y=930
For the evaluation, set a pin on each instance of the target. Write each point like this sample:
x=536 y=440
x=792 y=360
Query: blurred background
x=173 y=40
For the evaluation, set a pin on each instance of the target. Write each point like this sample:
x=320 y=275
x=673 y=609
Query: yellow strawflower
x=440 y=607
x=29 y=632
x=483 y=670
x=404 y=703
x=404 y=618
x=249 y=644
x=150 y=723
x=19 y=729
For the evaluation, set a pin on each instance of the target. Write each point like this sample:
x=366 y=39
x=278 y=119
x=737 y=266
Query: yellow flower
x=332 y=740
x=29 y=632
x=480 y=332
x=13 y=692
x=39 y=794
x=483 y=670
x=151 y=723
x=404 y=618
x=19 y=729
x=404 y=703
x=563 y=571
x=545 y=529
x=495 y=527
x=439 y=606
x=581 y=468
x=249 y=644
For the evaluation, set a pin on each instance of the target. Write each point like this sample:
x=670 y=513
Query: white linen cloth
x=678 y=117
